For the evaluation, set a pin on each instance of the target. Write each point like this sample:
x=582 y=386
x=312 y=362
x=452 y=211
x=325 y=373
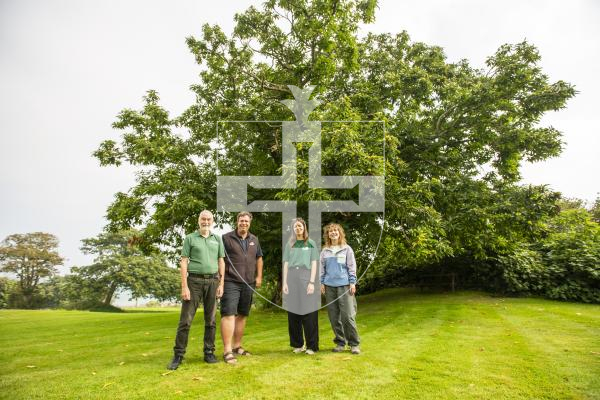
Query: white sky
x=67 y=67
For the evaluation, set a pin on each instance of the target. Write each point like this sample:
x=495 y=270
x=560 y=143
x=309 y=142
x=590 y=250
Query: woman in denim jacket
x=338 y=284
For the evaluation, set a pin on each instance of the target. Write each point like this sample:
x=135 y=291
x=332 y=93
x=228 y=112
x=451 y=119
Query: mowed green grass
x=419 y=346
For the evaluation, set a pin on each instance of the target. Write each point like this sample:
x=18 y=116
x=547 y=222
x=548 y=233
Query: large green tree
x=455 y=136
x=31 y=257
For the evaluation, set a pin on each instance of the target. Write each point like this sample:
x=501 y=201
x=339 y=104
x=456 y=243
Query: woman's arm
x=351 y=264
x=322 y=277
x=284 y=286
x=313 y=274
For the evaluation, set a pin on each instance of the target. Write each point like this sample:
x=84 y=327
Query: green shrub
x=571 y=254
x=565 y=265
x=523 y=271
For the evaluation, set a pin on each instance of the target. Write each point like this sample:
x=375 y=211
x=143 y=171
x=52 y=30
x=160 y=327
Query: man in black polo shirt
x=201 y=265
x=243 y=272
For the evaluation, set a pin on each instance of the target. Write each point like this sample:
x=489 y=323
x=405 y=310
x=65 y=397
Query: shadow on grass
x=106 y=308
x=412 y=294
x=150 y=310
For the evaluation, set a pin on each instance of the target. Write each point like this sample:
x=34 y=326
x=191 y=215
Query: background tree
x=31 y=257
x=57 y=292
x=7 y=287
x=121 y=265
x=595 y=211
x=455 y=138
x=568 y=203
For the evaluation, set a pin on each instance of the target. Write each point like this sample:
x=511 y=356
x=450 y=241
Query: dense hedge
x=564 y=266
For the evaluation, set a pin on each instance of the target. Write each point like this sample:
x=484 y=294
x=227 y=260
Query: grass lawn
x=439 y=346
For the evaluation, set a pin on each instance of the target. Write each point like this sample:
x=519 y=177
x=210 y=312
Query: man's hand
x=310 y=289
x=285 y=288
x=220 y=290
x=322 y=289
x=352 y=289
x=258 y=282
x=185 y=293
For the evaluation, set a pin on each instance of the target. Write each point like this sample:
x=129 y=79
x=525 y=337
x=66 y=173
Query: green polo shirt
x=301 y=254
x=203 y=252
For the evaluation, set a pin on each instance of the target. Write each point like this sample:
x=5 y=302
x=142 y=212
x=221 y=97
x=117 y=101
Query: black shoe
x=175 y=362
x=210 y=358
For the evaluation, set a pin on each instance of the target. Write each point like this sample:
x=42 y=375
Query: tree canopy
x=455 y=135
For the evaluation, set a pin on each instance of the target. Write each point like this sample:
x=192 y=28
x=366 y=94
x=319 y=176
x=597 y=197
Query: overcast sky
x=67 y=67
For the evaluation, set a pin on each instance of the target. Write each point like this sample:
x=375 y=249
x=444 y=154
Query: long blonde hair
x=327 y=240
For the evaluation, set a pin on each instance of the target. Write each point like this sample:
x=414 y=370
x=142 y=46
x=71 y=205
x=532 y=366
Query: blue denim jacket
x=338 y=268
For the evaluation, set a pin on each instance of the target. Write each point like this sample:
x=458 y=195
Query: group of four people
x=230 y=268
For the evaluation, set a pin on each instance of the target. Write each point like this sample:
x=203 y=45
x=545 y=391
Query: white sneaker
x=355 y=350
x=309 y=352
x=298 y=350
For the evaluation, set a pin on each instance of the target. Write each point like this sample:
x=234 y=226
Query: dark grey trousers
x=342 y=315
x=202 y=290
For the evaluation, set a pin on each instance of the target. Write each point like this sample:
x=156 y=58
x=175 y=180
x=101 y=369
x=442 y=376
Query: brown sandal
x=229 y=358
x=240 y=351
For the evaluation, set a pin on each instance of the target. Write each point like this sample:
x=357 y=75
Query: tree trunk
x=110 y=294
x=28 y=300
x=276 y=296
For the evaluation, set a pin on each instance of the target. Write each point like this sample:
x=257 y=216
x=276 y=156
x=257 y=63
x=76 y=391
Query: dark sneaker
x=338 y=349
x=210 y=358
x=175 y=362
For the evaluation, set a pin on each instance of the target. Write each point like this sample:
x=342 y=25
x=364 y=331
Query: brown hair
x=244 y=214
x=304 y=235
x=328 y=227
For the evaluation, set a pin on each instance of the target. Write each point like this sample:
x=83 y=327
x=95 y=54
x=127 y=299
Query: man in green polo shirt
x=201 y=267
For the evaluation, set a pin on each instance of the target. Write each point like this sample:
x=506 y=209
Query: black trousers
x=307 y=322
x=203 y=291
